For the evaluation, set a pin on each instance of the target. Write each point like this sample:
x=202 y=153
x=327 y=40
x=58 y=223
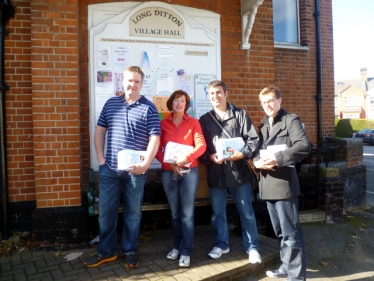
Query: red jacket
x=188 y=132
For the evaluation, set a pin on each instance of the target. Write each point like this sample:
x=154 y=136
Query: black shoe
x=131 y=261
x=97 y=260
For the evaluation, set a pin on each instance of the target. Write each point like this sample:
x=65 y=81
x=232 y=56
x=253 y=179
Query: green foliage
x=344 y=128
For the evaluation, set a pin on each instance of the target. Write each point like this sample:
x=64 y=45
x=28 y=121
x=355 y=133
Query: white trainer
x=254 y=256
x=173 y=255
x=277 y=273
x=184 y=261
x=217 y=252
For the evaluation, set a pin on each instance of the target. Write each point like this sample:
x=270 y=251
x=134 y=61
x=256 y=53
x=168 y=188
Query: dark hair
x=135 y=69
x=176 y=95
x=217 y=83
x=271 y=89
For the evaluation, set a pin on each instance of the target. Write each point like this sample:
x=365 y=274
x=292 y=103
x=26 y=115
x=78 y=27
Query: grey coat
x=282 y=182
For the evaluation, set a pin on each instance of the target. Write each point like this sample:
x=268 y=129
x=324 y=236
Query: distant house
x=355 y=98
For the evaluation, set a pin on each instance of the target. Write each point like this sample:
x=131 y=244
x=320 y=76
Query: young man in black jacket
x=226 y=121
x=283 y=144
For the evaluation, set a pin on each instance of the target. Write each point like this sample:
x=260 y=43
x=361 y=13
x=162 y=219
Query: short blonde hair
x=271 y=89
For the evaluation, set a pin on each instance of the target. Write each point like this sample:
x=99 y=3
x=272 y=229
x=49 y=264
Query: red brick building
x=47 y=105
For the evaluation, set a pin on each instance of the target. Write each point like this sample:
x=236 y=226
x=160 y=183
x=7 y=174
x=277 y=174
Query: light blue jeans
x=242 y=196
x=112 y=184
x=285 y=220
x=181 y=194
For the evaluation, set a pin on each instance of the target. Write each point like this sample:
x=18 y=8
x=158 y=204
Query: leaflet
x=127 y=158
x=223 y=145
x=174 y=150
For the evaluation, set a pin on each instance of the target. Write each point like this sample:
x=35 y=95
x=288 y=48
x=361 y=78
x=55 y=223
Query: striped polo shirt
x=129 y=126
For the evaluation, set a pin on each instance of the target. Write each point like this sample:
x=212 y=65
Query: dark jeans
x=111 y=184
x=285 y=220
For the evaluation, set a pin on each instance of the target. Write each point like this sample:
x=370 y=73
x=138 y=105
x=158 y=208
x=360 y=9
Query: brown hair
x=176 y=95
x=217 y=83
x=271 y=89
x=135 y=69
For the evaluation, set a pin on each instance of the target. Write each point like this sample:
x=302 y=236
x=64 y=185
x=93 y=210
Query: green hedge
x=344 y=128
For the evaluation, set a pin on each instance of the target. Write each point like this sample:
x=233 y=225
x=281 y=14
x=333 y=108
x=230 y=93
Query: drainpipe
x=318 y=97
x=6 y=11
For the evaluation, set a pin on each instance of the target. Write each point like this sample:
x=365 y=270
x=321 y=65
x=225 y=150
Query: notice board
x=177 y=48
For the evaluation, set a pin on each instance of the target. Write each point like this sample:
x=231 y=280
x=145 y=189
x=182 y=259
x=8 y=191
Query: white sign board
x=184 y=58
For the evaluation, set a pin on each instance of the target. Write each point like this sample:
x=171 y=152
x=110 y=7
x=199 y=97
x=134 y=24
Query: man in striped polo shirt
x=130 y=122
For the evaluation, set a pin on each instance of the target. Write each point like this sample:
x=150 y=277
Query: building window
x=286 y=21
x=372 y=100
x=337 y=102
x=352 y=101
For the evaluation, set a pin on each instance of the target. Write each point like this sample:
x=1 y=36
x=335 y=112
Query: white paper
x=165 y=83
x=103 y=57
x=222 y=146
x=271 y=149
x=147 y=88
x=165 y=57
x=127 y=158
x=174 y=150
x=185 y=82
x=121 y=56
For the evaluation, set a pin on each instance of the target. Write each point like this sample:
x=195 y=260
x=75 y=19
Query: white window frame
x=285 y=44
x=352 y=101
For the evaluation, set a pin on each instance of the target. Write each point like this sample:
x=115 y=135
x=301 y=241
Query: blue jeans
x=285 y=220
x=181 y=194
x=112 y=184
x=243 y=199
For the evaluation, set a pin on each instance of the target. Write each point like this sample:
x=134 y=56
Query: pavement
x=153 y=247
x=335 y=252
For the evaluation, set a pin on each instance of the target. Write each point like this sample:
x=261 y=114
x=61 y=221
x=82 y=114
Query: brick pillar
x=55 y=102
x=331 y=194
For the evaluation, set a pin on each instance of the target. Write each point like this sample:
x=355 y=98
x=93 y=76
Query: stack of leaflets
x=223 y=145
x=174 y=150
x=127 y=158
x=272 y=149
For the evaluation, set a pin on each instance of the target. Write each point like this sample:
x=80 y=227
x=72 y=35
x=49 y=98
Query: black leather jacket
x=237 y=124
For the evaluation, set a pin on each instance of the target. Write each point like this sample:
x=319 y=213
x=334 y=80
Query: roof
x=342 y=85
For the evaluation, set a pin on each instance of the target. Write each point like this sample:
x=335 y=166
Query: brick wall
x=296 y=72
x=48 y=104
x=18 y=103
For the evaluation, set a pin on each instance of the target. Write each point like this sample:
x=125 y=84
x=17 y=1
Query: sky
x=353 y=22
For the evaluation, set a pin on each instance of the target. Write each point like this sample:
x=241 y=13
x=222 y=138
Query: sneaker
x=173 y=255
x=254 y=256
x=184 y=261
x=277 y=273
x=131 y=261
x=97 y=260
x=217 y=252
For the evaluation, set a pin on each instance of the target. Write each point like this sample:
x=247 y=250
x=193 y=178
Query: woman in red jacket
x=180 y=186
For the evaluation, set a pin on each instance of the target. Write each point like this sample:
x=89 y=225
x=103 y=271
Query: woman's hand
x=181 y=161
x=176 y=169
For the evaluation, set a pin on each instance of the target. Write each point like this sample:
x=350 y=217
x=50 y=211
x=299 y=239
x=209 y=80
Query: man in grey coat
x=283 y=144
